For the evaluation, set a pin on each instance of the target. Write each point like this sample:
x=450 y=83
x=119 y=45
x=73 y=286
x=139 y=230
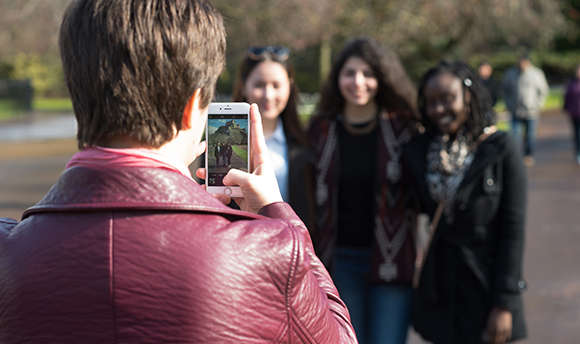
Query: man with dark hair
x=228 y=152
x=485 y=72
x=524 y=90
x=218 y=153
x=126 y=247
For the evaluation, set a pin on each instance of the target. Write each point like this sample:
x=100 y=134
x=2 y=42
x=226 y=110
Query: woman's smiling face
x=445 y=104
x=357 y=82
x=268 y=85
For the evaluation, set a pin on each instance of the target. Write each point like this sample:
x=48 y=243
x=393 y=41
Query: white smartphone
x=228 y=145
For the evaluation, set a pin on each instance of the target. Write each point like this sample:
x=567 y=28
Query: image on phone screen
x=227 y=140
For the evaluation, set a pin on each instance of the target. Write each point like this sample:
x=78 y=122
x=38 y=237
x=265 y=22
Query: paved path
x=27 y=170
x=553 y=238
x=38 y=126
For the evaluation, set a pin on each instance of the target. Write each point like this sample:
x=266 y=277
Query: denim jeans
x=528 y=128
x=379 y=313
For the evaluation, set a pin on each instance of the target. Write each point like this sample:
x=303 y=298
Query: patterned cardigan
x=393 y=250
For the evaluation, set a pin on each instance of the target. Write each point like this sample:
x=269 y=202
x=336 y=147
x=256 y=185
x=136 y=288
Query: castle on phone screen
x=232 y=131
x=227 y=145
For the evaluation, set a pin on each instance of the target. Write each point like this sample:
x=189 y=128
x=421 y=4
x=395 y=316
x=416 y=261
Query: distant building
x=232 y=124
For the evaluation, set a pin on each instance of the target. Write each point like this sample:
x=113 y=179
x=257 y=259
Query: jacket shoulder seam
x=291 y=275
x=112 y=281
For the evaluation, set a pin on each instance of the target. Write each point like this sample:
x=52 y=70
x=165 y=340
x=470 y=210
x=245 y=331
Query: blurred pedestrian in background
x=364 y=225
x=266 y=77
x=524 y=91
x=572 y=107
x=485 y=72
x=470 y=181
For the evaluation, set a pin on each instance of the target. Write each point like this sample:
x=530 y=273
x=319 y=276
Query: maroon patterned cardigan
x=395 y=216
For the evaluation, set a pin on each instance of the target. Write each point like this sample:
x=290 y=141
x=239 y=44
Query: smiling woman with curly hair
x=469 y=178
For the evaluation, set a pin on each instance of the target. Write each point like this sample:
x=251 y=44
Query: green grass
x=52 y=104
x=554 y=100
x=8 y=109
x=241 y=152
x=503 y=125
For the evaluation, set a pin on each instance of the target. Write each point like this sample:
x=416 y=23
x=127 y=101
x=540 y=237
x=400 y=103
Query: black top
x=357 y=166
x=492 y=87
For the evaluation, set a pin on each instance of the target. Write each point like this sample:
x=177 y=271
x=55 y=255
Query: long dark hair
x=395 y=90
x=481 y=113
x=292 y=127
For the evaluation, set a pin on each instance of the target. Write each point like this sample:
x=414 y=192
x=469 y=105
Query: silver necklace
x=389 y=249
x=321 y=188
x=393 y=168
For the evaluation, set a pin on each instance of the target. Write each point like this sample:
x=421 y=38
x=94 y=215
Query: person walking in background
x=469 y=179
x=524 y=91
x=266 y=77
x=485 y=72
x=572 y=107
x=365 y=114
x=126 y=247
x=228 y=154
x=217 y=153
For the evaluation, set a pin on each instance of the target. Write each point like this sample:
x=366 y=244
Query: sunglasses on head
x=274 y=52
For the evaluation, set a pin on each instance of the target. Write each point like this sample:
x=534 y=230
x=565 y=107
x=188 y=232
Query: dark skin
x=445 y=103
x=447 y=108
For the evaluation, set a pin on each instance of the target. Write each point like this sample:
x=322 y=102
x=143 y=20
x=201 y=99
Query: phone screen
x=227 y=145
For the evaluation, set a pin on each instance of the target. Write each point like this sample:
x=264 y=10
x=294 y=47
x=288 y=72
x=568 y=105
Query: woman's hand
x=499 y=326
x=260 y=187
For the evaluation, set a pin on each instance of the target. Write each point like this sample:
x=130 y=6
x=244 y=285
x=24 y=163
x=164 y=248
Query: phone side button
x=227 y=191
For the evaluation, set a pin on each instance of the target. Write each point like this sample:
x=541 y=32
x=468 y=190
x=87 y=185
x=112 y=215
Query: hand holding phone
x=260 y=187
x=228 y=137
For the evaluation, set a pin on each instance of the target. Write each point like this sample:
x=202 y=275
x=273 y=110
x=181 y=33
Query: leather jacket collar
x=131 y=188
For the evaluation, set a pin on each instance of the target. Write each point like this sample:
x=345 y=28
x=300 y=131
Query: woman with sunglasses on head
x=266 y=77
x=470 y=181
x=364 y=219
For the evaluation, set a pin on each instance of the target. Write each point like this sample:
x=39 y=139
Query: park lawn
x=241 y=152
x=8 y=109
x=554 y=100
x=52 y=104
x=503 y=125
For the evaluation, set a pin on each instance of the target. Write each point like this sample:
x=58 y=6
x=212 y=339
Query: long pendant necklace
x=389 y=249
x=393 y=168
x=324 y=164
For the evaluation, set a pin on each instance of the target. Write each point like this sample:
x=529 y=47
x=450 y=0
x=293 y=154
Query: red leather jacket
x=145 y=255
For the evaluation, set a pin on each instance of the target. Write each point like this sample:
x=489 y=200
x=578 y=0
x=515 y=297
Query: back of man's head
x=132 y=65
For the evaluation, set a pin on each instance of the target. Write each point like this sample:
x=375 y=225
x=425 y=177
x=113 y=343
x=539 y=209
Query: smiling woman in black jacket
x=470 y=286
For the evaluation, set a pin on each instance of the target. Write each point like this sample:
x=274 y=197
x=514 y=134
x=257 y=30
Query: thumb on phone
x=259 y=187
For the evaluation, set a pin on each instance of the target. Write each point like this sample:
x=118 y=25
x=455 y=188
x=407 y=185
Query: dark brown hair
x=395 y=91
x=132 y=65
x=292 y=127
